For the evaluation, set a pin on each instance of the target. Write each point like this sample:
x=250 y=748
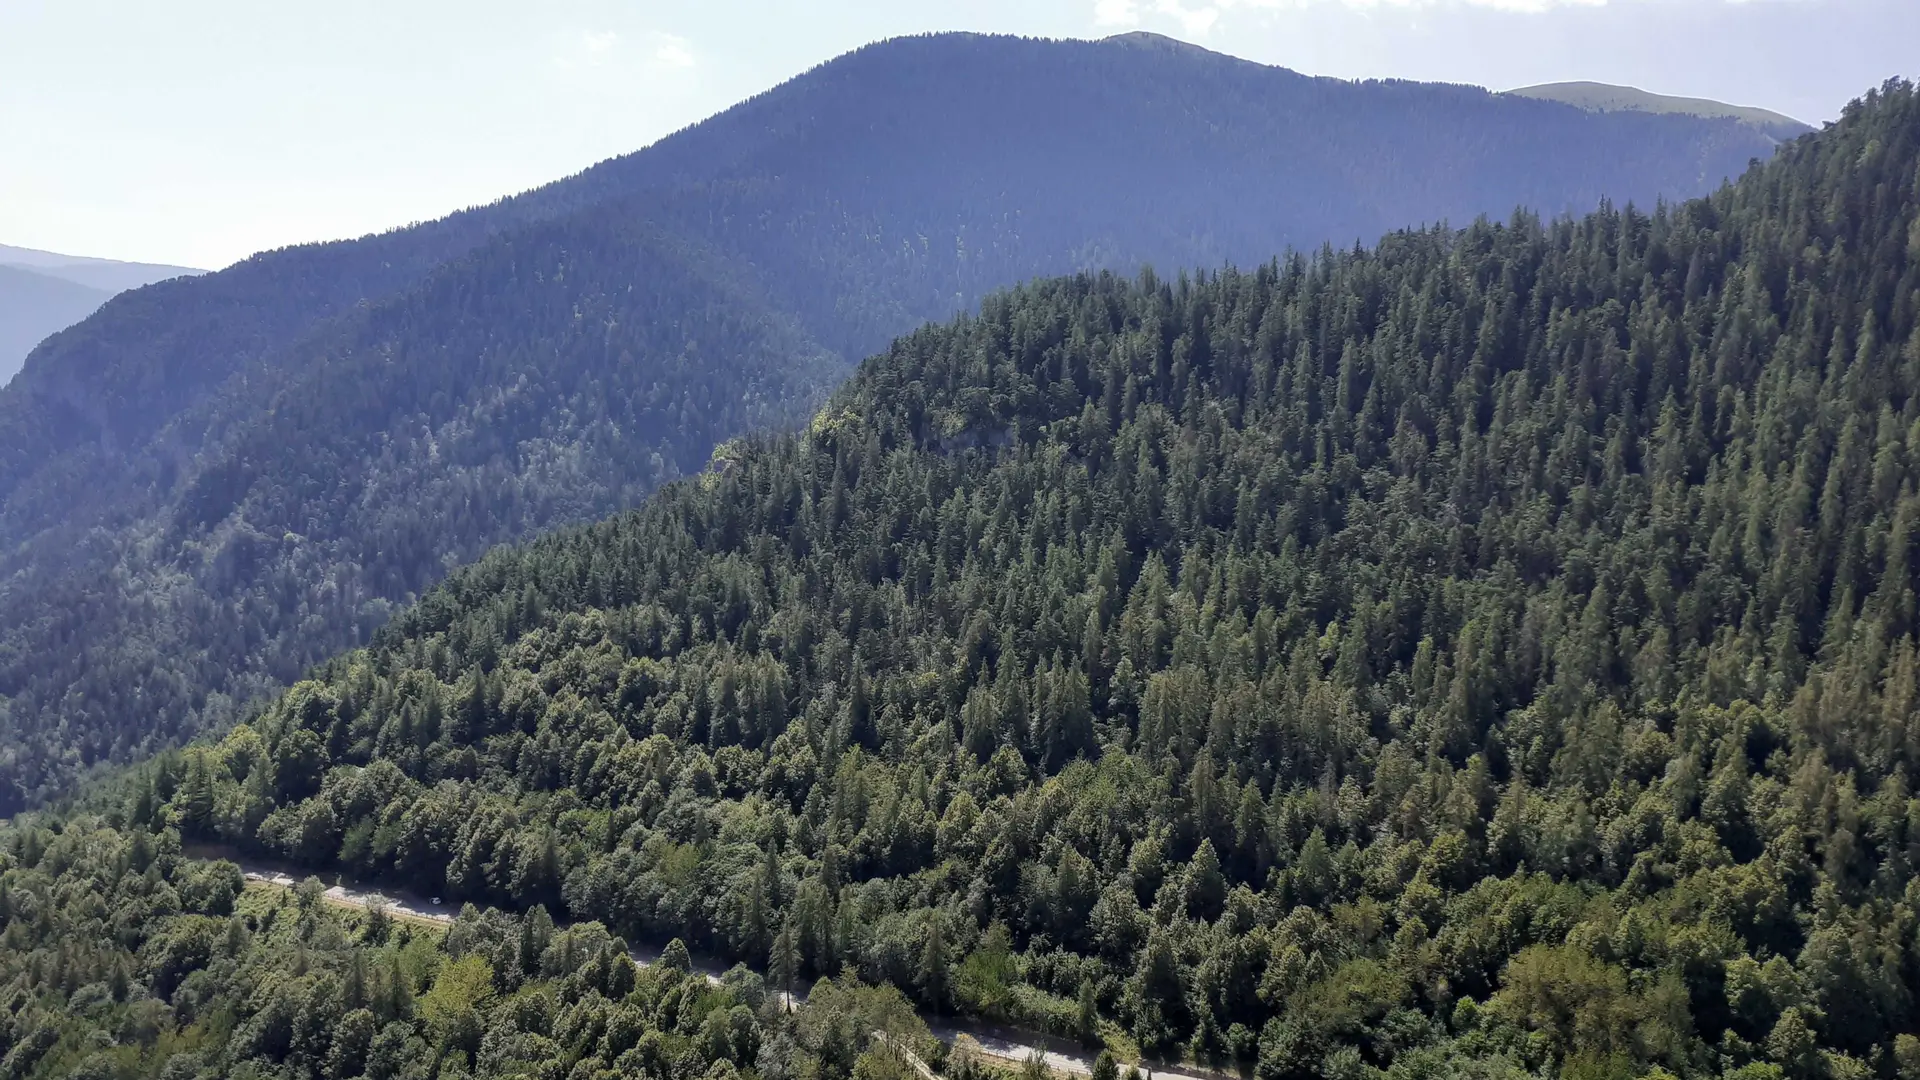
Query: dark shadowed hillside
x=215 y=482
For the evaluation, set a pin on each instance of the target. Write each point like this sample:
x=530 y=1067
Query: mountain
x=107 y=275
x=1604 y=97
x=34 y=305
x=1494 y=652
x=42 y=292
x=218 y=481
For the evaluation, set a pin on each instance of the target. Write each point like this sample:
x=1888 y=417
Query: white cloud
x=608 y=51
x=673 y=51
x=1194 y=21
x=584 y=50
x=1497 y=5
x=1200 y=18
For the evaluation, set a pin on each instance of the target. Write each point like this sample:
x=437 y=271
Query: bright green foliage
x=1492 y=651
x=120 y=959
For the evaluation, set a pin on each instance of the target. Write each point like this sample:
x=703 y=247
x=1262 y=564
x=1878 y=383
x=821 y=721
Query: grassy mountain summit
x=216 y=482
x=1492 y=652
x=1606 y=97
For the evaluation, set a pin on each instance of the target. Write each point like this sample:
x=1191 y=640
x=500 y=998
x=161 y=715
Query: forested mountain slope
x=121 y=959
x=1492 y=651
x=216 y=482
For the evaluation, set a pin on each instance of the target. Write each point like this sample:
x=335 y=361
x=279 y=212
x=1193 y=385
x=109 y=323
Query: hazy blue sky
x=198 y=131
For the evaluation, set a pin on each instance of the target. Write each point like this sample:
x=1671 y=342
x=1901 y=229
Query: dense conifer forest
x=1495 y=651
x=119 y=958
x=215 y=483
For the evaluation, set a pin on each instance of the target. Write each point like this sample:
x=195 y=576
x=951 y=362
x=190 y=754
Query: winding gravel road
x=1003 y=1043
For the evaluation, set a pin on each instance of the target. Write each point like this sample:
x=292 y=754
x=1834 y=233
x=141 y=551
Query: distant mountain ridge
x=218 y=481
x=42 y=292
x=110 y=275
x=1606 y=97
x=34 y=305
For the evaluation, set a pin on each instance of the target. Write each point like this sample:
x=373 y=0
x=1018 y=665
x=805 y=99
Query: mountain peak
x=1607 y=97
x=1147 y=39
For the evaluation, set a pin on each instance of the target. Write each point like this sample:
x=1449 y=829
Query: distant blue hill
x=42 y=292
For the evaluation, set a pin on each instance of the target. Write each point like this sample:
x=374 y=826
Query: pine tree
x=783 y=963
x=933 y=976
